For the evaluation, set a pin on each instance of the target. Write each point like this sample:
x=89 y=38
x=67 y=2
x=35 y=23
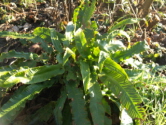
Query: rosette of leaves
x=82 y=62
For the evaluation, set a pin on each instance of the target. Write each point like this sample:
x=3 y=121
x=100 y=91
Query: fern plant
x=85 y=65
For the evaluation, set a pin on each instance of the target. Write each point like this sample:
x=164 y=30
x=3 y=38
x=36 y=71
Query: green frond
x=85 y=72
x=123 y=23
x=135 y=49
x=76 y=12
x=14 y=54
x=80 y=116
x=117 y=81
x=59 y=107
x=55 y=40
x=80 y=41
x=67 y=54
x=96 y=108
x=67 y=114
x=17 y=102
x=107 y=109
x=15 y=35
x=29 y=75
x=102 y=57
x=69 y=31
x=88 y=12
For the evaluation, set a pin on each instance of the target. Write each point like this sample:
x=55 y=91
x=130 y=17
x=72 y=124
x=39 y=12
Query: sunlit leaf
x=85 y=72
x=123 y=22
x=69 y=31
x=135 y=49
x=29 y=75
x=117 y=81
x=55 y=41
x=67 y=54
x=16 y=35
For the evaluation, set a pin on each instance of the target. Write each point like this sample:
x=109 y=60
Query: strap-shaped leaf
x=123 y=23
x=67 y=116
x=88 y=12
x=17 y=102
x=80 y=41
x=69 y=31
x=67 y=54
x=85 y=72
x=55 y=41
x=29 y=75
x=59 y=58
x=15 y=35
x=102 y=57
x=79 y=112
x=96 y=107
x=135 y=49
x=13 y=53
x=59 y=107
x=117 y=81
x=107 y=107
x=77 y=12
